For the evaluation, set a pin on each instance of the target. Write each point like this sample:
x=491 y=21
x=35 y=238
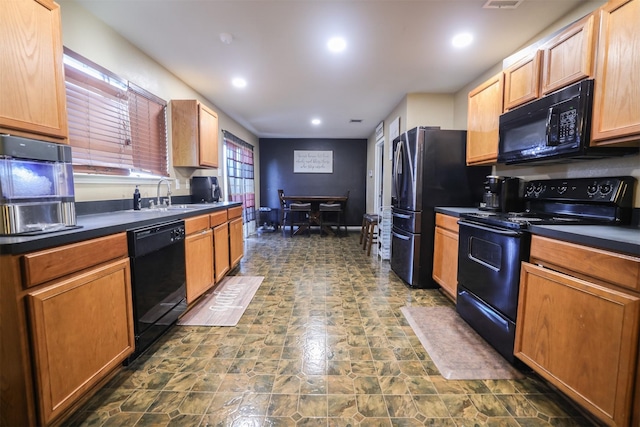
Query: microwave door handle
x=552 y=127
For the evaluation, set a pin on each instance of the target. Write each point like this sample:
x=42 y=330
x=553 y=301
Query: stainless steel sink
x=180 y=207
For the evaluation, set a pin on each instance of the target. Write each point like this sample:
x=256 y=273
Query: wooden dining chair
x=331 y=215
x=284 y=209
x=300 y=215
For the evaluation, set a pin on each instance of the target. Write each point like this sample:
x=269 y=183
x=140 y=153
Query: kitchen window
x=115 y=126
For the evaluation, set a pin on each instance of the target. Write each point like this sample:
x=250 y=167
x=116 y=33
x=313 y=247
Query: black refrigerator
x=429 y=170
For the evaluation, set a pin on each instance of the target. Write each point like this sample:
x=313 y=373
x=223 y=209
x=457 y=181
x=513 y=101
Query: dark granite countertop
x=104 y=224
x=623 y=239
x=613 y=238
x=454 y=211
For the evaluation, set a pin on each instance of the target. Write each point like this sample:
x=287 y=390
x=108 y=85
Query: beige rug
x=457 y=350
x=224 y=304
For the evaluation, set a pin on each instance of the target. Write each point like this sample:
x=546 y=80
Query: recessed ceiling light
x=226 y=38
x=239 y=82
x=316 y=122
x=462 y=40
x=337 y=44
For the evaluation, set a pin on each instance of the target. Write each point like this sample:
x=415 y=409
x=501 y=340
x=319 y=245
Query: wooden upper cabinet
x=522 y=81
x=569 y=57
x=194 y=134
x=208 y=135
x=33 y=102
x=485 y=107
x=616 y=107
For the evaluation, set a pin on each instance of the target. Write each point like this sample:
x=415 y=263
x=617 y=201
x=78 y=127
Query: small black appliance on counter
x=205 y=189
x=502 y=194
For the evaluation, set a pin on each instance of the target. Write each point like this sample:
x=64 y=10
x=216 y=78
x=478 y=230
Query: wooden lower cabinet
x=198 y=254
x=236 y=241
x=198 y=250
x=580 y=334
x=445 y=254
x=81 y=328
x=221 y=250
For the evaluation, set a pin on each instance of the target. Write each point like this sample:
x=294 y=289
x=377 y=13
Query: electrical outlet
x=177 y=184
x=187 y=185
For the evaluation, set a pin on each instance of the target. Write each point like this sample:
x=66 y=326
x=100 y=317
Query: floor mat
x=224 y=304
x=458 y=351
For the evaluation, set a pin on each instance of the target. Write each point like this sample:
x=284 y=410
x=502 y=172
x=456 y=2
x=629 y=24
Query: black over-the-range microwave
x=554 y=128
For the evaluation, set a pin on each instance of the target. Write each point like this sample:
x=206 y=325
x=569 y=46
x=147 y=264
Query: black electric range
x=574 y=201
x=492 y=246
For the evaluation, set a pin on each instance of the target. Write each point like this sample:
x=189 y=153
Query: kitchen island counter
x=98 y=225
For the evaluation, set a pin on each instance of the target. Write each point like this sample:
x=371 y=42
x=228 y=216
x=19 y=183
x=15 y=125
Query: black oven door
x=488 y=281
x=489 y=264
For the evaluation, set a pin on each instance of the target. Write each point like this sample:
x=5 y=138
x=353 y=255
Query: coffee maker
x=205 y=189
x=502 y=194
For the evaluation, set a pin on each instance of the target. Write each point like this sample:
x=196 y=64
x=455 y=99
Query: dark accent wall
x=349 y=172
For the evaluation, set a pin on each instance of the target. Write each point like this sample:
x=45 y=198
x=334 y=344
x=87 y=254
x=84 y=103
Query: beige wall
x=435 y=110
x=430 y=109
x=91 y=38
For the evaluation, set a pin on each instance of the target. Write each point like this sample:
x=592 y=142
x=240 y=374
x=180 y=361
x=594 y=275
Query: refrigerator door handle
x=403 y=216
x=397 y=167
x=400 y=236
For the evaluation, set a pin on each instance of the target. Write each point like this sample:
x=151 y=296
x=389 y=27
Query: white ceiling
x=394 y=47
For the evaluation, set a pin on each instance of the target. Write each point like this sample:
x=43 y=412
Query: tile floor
x=323 y=343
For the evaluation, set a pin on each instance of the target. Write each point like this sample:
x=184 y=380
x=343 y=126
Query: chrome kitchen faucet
x=168 y=191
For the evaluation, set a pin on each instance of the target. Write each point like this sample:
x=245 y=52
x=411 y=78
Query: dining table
x=314 y=216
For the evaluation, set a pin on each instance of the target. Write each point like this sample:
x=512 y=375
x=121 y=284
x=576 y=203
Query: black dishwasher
x=157 y=280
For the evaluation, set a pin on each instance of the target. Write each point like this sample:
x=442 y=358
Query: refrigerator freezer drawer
x=405 y=256
x=408 y=221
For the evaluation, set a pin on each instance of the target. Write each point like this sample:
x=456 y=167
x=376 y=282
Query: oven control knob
x=538 y=189
x=592 y=189
x=529 y=190
x=605 y=188
x=562 y=189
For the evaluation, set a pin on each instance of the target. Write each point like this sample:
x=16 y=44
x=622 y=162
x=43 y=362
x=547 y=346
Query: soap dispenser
x=137 y=203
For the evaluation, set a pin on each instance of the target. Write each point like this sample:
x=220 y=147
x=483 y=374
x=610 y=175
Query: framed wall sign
x=311 y=161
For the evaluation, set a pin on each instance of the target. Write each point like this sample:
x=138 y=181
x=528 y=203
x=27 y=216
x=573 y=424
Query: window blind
x=115 y=127
x=148 y=131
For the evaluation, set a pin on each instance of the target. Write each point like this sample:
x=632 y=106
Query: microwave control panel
x=567 y=128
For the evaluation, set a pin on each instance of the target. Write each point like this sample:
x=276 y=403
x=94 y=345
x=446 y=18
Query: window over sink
x=115 y=126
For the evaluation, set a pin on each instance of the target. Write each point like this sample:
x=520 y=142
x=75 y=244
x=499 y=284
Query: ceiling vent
x=502 y=4
x=355 y=121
